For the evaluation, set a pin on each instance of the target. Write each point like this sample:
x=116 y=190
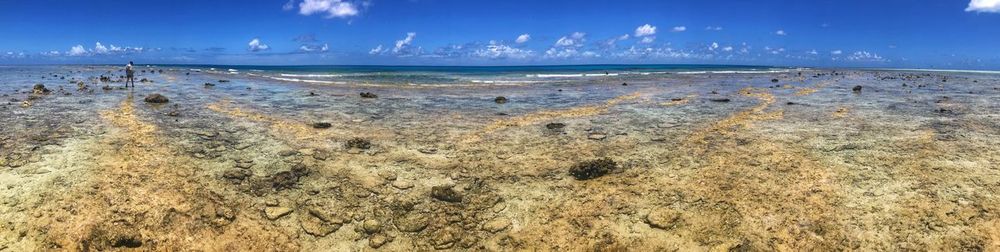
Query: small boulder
x=665 y=219
x=358 y=143
x=774 y=80
x=555 y=126
x=276 y=212
x=209 y=84
x=500 y=100
x=857 y=89
x=156 y=98
x=720 y=100
x=40 y=89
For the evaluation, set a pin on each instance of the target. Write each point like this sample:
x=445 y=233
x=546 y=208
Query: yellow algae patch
x=742 y=119
x=543 y=116
x=805 y=91
x=298 y=130
x=841 y=112
x=678 y=101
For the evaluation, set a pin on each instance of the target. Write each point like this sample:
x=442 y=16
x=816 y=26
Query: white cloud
x=645 y=30
x=813 y=52
x=376 y=50
x=314 y=48
x=780 y=33
x=865 y=56
x=576 y=39
x=984 y=6
x=623 y=37
x=402 y=44
x=289 y=5
x=496 y=50
x=333 y=8
x=523 y=38
x=836 y=52
x=647 y=40
x=255 y=46
x=713 y=28
x=680 y=28
x=727 y=49
x=100 y=49
x=713 y=46
x=77 y=50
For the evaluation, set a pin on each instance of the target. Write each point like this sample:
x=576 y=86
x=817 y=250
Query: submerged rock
x=720 y=100
x=857 y=89
x=500 y=100
x=322 y=125
x=368 y=95
x=593 y=168
x=208 y=84
x=156 y=98
x=555 y=126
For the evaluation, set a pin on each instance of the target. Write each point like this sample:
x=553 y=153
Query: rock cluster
x=593 y=168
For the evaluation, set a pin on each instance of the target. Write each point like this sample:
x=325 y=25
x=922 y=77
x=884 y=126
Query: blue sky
x=850 y=33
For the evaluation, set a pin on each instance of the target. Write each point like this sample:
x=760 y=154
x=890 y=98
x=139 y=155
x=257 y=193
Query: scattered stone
x=322 y=125
x=156 y=98
x=174 y=113
x=500 y=100
x=107 y=88
x=624 y=84
x=428 y=150
x=555 y=126
x=444 y=238
x=592 y=169
x=371 y=226
x=857 y=89
x=378 y=240
x=223 y=81
x=286 y=153
x=236 y=175
x=496 y=225
x=402 y=185
x=774 y=80
x=720 y=100
x=208 y=84
x=597 y=136
x=368 y=95
x=665 y=219
x=446 y=193
x=276 y=212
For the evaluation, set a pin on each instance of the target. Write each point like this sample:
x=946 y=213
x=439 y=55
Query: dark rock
x=156 y=98
x=720 y=100
x=368 y=95
x=445 y=193
x=223 y=81
x=236 y=175
x=322 y=125
x=412 y=222
x=500 y=100
x=774 y=80
x=174 y=113
x=208 y=84
x=359 y=143
x=40 y=89
x=593 y=168
x=624 y=84
x=555 y=126
x=857 y=89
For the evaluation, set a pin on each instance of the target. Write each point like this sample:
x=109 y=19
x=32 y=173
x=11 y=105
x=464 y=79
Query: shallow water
x=804 y=163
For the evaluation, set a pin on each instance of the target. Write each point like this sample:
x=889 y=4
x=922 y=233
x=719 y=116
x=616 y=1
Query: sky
x=945 y=34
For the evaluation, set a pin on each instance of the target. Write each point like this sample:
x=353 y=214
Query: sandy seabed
x=797 y=161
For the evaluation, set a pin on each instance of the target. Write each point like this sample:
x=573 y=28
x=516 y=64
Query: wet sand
x=711 y=162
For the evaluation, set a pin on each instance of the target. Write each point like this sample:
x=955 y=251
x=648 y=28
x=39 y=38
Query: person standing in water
x=129 y=74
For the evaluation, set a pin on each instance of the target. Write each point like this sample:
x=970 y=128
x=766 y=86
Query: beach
x=551 y=159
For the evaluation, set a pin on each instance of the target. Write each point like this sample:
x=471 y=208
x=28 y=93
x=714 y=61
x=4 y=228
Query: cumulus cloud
x=713 y=28
x=992 y=6
x=256 y=46
x=100 y=49
x=405 y=42
x=314 y=48
x=680 y=29
x=576 y=39
x=727 y=49
x=780 y=33
x=813 y=52
x=523 y=38
x=645 y=30
x=332 y=8
x=713 y=46
x=836 y=52
x=865 y=56
x=647 y=40
x=376 y=50
x=77 y=50
x=496 y=50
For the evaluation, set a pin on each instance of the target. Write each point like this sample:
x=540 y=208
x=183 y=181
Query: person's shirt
x=128 y=68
